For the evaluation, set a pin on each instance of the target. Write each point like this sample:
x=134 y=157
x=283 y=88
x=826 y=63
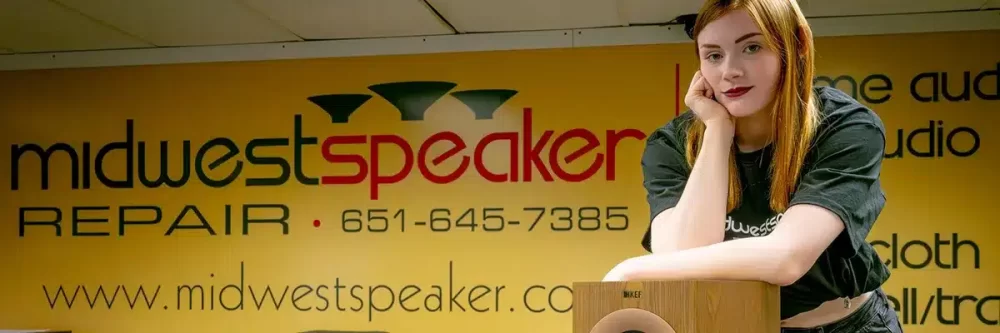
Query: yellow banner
x=434 y=193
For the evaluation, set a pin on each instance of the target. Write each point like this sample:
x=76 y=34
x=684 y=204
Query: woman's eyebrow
x=742 y=38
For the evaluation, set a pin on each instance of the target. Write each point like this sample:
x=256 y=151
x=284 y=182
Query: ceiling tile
x=6 y=51
x=337 y=19
x=992 y=4
x=513 y=15
x=657 y=11
x=813 y=8
x=43 y=26
x=185 y=22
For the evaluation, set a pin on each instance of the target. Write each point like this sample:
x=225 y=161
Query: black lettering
x=552 y=304
x=871 y=83
x=930 y=141
x=190 y=294
x=283 y=220
x=496 y=304
x=336 y=292
x=371 y=300
x=938 y=244
x=268 y=292
x=128 y=146
x=891 y=262
x=481 y=294
x=301 y=141
x=937 y=143
x=941 y=298
x=906 y=255
x=180 y=217
x=229 y=220
x=361 y=303
x=296 y=297
x=451 y=289
x=54 y=221
x=939 y=86
x=123 y=220
x=164 y=177
x=957 y=246
x=932 y=76
x=968 y=152
x=895 y=302
x=528 y=306
x=834 y=83
x=961 y=96
x=45 y=156
x=403 y=297
x=326 y=301
x=77 y=220
x=981 y=315
x=978 y=84
x=886 y=85
x=958 y=305
x=200 y=166
x=252 y=158
x=439 y=296
x=239 y=289
x=944 y=247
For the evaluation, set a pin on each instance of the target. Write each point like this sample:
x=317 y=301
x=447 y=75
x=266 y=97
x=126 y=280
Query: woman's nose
x=732 y=69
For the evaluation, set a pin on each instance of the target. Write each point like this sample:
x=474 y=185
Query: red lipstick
x=736 y=92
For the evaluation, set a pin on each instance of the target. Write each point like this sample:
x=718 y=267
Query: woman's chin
x=741 y=113
x=741 y=110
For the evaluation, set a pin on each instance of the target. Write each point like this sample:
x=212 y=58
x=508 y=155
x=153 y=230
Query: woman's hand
x=701 y=99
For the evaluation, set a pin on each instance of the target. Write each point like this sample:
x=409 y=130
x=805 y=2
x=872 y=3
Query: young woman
x=767 y=177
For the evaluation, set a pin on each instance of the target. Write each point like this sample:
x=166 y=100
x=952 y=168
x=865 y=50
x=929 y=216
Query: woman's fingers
x=697 y=85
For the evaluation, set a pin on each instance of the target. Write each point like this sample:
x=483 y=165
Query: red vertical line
x=677 y=89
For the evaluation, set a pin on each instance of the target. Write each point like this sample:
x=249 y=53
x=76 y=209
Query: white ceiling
x=28 y=26
x=826 y=8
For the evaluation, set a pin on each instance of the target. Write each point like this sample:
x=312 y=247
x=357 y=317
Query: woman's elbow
x=785 y=277
x=789 y=270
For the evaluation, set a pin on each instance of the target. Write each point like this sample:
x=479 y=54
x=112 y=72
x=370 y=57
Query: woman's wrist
x=723 y=128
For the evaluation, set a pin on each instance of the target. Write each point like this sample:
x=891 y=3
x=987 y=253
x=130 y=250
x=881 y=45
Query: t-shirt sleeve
x=843 y=175
x=665 y=173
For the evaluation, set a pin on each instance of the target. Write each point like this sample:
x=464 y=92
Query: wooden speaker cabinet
x=676 y=307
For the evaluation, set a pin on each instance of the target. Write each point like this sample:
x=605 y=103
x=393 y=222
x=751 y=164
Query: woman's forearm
x=756 y=259
x=699 y=217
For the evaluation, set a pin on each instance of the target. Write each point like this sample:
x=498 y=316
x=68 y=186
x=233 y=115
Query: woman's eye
x=753 y=48
x=713 y=57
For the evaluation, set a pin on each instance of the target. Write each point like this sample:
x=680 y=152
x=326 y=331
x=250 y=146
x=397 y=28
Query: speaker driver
x=632 y=320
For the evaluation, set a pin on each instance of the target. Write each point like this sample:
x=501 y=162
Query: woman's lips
x=736 y=92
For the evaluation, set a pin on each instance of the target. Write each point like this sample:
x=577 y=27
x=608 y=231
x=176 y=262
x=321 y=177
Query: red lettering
x=533 y=153
x=592 y=143
x=479 y=155
x=345 y=158
x=422 y=157
x=524 y=157
x=377 y=177
x=614 y=138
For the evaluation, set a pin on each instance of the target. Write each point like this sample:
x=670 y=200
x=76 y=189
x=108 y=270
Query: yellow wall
x=401 y=279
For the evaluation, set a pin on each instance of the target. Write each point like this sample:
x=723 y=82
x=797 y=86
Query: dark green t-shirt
x=841 y=173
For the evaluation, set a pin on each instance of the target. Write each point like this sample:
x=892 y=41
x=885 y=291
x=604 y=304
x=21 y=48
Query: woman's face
x=736 y=62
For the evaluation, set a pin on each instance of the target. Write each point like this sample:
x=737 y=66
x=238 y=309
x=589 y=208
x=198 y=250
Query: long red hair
x=794 y=113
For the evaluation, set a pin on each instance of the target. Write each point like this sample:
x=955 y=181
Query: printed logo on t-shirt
x=737 y=229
